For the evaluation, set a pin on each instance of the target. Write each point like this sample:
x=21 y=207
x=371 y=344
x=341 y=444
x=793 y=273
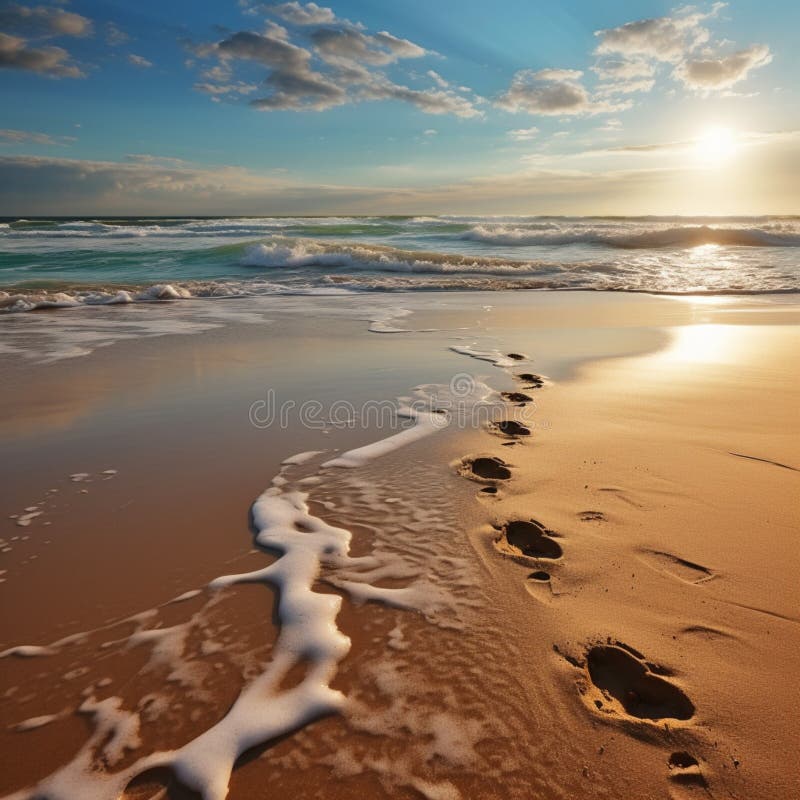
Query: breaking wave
x=60 y=263
x=678 y=237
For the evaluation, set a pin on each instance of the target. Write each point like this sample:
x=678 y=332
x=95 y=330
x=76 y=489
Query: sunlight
x=705 y=344
x=715 y=145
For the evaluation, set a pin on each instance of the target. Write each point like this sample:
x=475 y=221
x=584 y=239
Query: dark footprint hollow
x=492 y=469
x=682 y=760
x=531 y=539
x=539 y=575
x=517 y=356
x=516 y=397
x=512 y=428
x=535 y=381
x=643 y=695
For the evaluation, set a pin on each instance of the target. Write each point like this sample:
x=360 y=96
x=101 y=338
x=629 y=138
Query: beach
x=438 y=544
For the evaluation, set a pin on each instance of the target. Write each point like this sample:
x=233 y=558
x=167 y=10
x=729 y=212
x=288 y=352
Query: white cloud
x=115 y=36
x=630 y=52
x=54 y=62
x=554 y=92
x=625 y=87
x=302 y=13
x=10 y=136
x=139 y=61
x=524 y=134
x=43 y=21
x=430 y=132
x=660 y=38
x=437 y=79
x=720 y=73
x=623 y=68
x=21 y=23
x=340 y=66
x=346 y=45
x=612 y=124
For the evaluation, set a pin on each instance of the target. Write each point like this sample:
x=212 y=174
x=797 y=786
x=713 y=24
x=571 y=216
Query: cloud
x=431 y=101
x=21 y=23
x=706 y=74
x=10 y=136
x=344 y=45
x=661 y=38
x=430 y=132
x=302 y=13
x=115 y=36
x=611 y=125
x=43 y=21
x=219 y=89
x=623 y=68
x=553 y=92
x=437 y=79
x=51 y=61
x=139 y=61
x=523 y=134
x=658 y=147
x=294 y=83
x=629 y=54
x=149 y=184
x=625 y=87
x=339 y=65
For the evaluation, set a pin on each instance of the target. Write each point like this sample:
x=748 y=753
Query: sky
x=426 y=106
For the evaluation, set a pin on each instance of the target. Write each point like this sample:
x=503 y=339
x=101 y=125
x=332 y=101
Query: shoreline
x=412 y=519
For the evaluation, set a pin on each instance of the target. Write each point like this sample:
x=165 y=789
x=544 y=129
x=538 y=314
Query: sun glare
x=715 y=145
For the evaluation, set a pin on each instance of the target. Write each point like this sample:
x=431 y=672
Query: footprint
x=532 y=539
x=680 y=568
x=510 y=427
x=624 y=685
x=684 y=768
x=532 y=381
x=706 y=632
x=539 y=586
x=592 y=516
x=516 y=397
x=516 y=356
x=485 y=468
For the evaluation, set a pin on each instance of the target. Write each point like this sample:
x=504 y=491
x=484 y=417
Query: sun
x=715 y=145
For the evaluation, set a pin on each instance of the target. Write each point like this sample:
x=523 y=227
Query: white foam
x=426 y=423
x=24 y=520
x=301 y=458
x=35 y=722
x=186 y=596
x=492 y=356
x=27 y=651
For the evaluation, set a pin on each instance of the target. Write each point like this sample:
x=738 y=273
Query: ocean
x=67 y=262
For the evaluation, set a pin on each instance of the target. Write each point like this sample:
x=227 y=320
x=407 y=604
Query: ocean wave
x=380 y=258
x=552 y=234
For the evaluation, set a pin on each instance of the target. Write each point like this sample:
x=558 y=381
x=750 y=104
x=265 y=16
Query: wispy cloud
x=139 y=61
x=523 y=134
x=11 y=136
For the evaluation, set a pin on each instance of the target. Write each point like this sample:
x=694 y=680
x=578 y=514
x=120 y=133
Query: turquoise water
x=63 y=262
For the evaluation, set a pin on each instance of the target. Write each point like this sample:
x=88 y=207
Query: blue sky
x=513 y=107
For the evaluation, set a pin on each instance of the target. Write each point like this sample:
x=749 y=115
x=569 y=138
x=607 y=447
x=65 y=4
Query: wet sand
x=605 y=606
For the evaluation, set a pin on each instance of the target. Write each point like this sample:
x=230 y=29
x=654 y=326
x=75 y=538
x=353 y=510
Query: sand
x=591 y=594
